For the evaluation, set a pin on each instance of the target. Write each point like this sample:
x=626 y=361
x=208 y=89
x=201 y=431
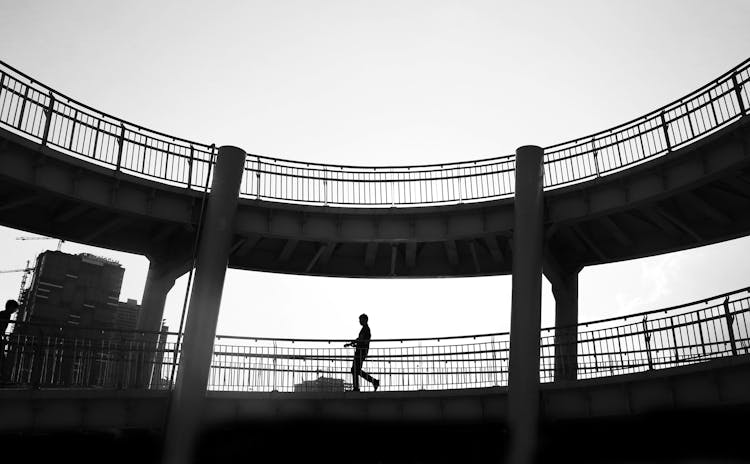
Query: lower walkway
x=696 y=411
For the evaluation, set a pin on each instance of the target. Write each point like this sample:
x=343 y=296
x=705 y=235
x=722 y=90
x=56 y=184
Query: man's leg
x=356 y=369
x=367 y=376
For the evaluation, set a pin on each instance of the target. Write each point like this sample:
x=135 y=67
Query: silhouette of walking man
x=362 y=346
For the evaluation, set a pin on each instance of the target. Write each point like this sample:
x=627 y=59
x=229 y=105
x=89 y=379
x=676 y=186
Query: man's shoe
x=376 y=384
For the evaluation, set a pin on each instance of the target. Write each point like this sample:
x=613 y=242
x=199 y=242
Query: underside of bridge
x=695 y=196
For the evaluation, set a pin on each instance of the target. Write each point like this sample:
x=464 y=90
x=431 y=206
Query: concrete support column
x=186 y=409
x=526 y=306
x=159 y=281
x=565 y=289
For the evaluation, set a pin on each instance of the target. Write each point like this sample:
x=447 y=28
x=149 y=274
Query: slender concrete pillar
x=186 y=409
x=526 y=306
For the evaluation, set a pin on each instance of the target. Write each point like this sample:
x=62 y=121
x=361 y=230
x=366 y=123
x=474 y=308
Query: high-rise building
x=78 y=290
x=126 y=316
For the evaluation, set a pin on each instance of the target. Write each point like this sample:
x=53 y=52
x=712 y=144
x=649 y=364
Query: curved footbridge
x=676 y=178
x=722 y=383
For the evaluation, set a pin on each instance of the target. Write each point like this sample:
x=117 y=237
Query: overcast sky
x=379 y=83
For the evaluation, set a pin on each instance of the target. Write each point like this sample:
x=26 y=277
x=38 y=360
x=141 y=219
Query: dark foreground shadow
x=354 y=442
x=694 y=437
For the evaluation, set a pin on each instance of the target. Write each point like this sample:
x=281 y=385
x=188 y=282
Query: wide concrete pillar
x=565 y=289
x=159 y=282
x=162 y=274
x=188 y=397
x=526 y=306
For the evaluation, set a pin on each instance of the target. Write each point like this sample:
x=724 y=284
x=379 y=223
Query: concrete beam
x=371 y=251
x=472 y=249
x=69 y=213
x=620 y=235
x=450 y=251
x=321 y=249
x=706 y=208
x=411 y=254
x=495 y=252
x=107 y=226
x=589 y=242
x=394 y=255
x=679 y=223
x=247 y=246
x=660 y=222
x=287 y=251
x=17 y=202
x=325 y=258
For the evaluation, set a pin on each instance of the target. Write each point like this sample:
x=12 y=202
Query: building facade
x=80 y=290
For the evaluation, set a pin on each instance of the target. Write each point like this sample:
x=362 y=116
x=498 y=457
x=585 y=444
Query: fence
x=42 y=355
x=43 y=115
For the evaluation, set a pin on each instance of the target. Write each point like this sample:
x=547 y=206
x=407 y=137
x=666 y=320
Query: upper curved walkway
x=676 y=178
x=60 y=122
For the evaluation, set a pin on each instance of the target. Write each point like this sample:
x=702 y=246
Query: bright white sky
x=378 y=83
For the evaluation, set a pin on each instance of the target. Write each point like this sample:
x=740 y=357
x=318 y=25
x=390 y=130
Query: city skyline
x=350 y=94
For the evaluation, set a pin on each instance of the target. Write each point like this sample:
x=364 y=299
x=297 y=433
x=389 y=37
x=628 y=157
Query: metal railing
x=40 y=355
x=52 y=119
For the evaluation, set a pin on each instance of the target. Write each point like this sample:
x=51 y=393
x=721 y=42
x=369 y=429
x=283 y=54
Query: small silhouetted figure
x=11 y=306
x=362 y=346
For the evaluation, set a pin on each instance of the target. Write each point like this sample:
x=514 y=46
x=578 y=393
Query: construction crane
x=26 y=271
x=59 y=241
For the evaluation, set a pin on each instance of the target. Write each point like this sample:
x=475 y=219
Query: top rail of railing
x=42 y=114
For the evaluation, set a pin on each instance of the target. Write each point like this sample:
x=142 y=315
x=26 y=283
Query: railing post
x=647 y=337
x=674 y=341
x=23 y=108
x=120 y=143
x=700 y=332
x=72 y=130
x=96 y=137
x=596 y=355
x=738 y=93
x=325 y=187
x=665 y=128
x=729 y=317
x=393 y=194
x=49 y=111
x=595 y=153
x=619 y=348
x=190 y=167
x=257 y=180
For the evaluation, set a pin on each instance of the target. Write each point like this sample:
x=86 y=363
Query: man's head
x=363 y=319
x=11 y=306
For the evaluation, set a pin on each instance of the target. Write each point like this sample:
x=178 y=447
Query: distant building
x=78 y=291
x=322 y=384
x=126 y=317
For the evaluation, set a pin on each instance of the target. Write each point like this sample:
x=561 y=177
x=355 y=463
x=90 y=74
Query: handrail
x=53 y=119
x=80 y=356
